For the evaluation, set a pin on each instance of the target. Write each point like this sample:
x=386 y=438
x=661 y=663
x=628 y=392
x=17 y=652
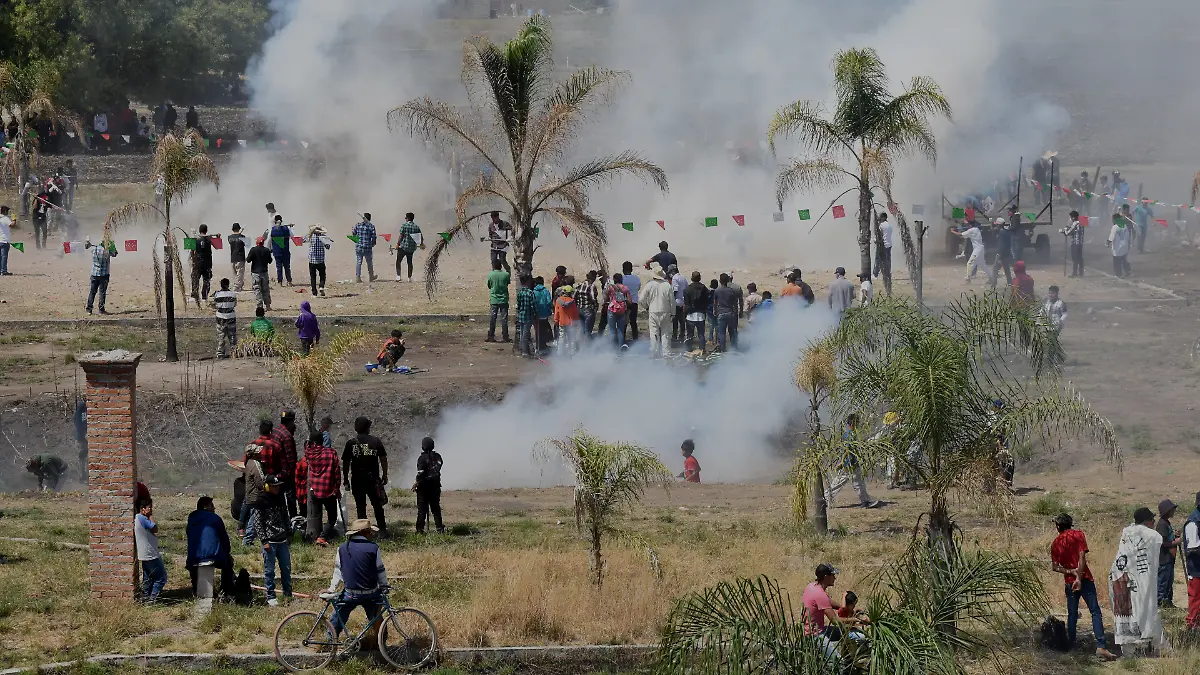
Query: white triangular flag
x=242 y=142
x=124 y=138
x=70 y=134
x=304 y=143
x=187 y=142
x=777 y=217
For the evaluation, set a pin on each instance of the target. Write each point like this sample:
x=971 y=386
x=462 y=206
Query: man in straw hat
x=358 y=568
x=658 y=298
x=318 y=244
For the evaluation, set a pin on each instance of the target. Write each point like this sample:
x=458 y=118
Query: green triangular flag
x=958 y=213
x=804 y=214
x=112 y=248
x=19 y=245
x=262 y=144
x=352 y=237
x=1087 y=195
x=537 y=232
x=189 y=244
x=445 y=236
x=207 y=143
x=1031 y=217
x=278 y=241
x=627 y=226
x=710 y=222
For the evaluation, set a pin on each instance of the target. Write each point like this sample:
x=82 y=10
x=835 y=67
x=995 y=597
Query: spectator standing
x=658 y=298
x=204 y=261
x=284 y=435
x=1191 y=565
x=322 y=477
x=170 y=118
x=225 y=302
x=237 y=256
x=309 y=331
x=41 y=216
x=1142 y=215
x=428 y=486
x=5 y=240
x=1166 y=554
x=566 y=318
x=679 y=284
x=1068 y=557
x=1074 y=235
x=664 y=258
x=691 y=466
x=1055 y=309
x=526 y=315
x=407 y=243
x=726 y=300
x=145 y=536
x=281 y=249
x=695 y=306
x=192 y=119
x=543 y=306
x=318 y=244
x=1022 y=283
x=499 y=232
x=275 y=533
x=634 y=282
x=865 y=292
x=616 y=302
x=498 y=282
x=589 y=303
x=364 y=463
x=208 y=542
x=841 y=293
x=753 y=299
x=883 y=252
x=1004 y=252
x=254 y=475
x=102 y=256
x=364 y=243
x=259 y=259
x=1118 y=240
x=806 y=291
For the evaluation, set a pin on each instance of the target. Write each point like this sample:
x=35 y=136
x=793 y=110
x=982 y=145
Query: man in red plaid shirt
x=284 y=435
x=270 y=455
x=319 y=479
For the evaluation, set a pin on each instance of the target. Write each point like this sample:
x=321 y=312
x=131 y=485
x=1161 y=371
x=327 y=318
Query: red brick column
x=112 y=471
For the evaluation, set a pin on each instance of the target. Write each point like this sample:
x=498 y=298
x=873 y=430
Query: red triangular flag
x=217 y=242
x=298 y=241
x=839 y=211
x=131 y=245
x=283 y=142
x=566 y=232
x=387 y=238
x=740 y=220
x=662 y=224
x=66 y=247
x=1161 y=221
x=104 y=136
x=1083 y=220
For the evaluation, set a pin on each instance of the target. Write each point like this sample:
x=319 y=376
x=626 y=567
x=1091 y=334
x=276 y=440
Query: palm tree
x=521 y=125
x=316 y=375
x=940 y=376
x=869 y=130
x=608 y=478
x=182 y=166
x=24 y=92
x=815 y=376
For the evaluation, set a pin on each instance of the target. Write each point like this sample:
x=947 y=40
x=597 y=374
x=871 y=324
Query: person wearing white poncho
x=1133 y=585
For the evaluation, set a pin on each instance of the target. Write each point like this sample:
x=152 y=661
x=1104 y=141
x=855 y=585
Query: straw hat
x=360 y=526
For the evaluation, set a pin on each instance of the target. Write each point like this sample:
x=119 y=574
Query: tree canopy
x=105 y=53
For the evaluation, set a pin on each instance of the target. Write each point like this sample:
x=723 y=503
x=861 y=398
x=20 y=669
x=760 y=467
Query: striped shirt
x=365 y=232
x=101 y=256
x=316 y=249
x=225 y=302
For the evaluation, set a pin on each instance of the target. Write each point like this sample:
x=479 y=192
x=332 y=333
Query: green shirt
x=498 y=281
x=261 y=328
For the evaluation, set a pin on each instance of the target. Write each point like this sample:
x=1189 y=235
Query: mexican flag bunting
x=125 y=138
x=1031 y=217
x=804 y=214
x=566 y=232
x=1161 y=221
x=958 y=212
x=445 y=236
x=1083 y=220
x=242 y=142
x=537 y=232
x=387 y=237
x=279 y=241
x=19 y=245
x=299 y=241
x=131 y=245
x=189 y=244
x=217 y=242
x=710 y=222
x=219 y=142
x=740 y=220
x=628 y=227
x=352 y=237
x=839 y=211
x=662 y=224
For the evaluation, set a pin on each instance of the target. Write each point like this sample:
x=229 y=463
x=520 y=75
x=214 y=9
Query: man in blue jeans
x=616 y=302
x=1166 y=554
x=358 y=567
x=275 y=531
x=726 y=301
x=1068 y=555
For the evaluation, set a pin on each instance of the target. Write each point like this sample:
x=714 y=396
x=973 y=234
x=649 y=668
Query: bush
x=1049 y=504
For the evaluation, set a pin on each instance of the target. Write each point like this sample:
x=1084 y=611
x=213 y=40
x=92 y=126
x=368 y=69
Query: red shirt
x=691 y=470
x=1065 y=551
x=1022 y=286
x=270 y=456
x=287 y=446
x=320 y=470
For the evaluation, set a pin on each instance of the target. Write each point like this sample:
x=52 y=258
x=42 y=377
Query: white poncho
x=1132 y=583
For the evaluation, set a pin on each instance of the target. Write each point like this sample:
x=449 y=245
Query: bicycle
x=306 y=640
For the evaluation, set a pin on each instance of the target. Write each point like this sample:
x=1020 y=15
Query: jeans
x=883 y=262
x=994 y=272
x=502 y=256
x=369 y=603
x=98 y=284
x=364 y=491
x=712 y=327
x=404 y=256
x=1121 y=265
x=40 y=231
x=281 y=552
x=1193 y=614
x=316 y=270
x=695 y=335
x=1087 y=590
x=246 y=522
x=206 y=286
x=656 y=325
x=239 y=276
x=360 y=257
x=618 y=322
x=1166 y=581
x=4 y=258
x=588 y=320
x=727 y=326
x=1141 y=238
x=154 y=578
x=1077 y=260
x=524 y=339
x=305 y=346
x=283 y=267
x=262 y=288
x=499 y=313
x=429 y=501
x=226 y=337
x=678 y=325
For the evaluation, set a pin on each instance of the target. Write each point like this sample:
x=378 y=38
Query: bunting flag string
x=662 y=224
x=740 y=220
x=131 y=245
x=445 y=236
x=839 y=211
x=19 y=245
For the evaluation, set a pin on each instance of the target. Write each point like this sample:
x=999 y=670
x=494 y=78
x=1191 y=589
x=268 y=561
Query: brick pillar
x=112 y=471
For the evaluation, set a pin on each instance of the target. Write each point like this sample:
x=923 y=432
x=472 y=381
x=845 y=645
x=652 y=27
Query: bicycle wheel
x=408 y=638
x=305 y=641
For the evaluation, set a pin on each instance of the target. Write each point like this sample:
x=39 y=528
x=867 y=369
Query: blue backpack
x=542 y=303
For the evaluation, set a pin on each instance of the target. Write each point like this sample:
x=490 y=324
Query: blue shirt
x=101 y=257
x=316 y=249
x=1142 y=215
x=365 y=231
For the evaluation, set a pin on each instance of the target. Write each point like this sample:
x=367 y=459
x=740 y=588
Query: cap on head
x=1143 y=515
x=841 y=271
x=825 y=569
x=287 y=416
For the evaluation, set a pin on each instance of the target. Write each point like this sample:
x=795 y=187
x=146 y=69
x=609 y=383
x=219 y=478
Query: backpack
x=617 y=304
x=1054 y=635
x=242 y=593
x=542 y=302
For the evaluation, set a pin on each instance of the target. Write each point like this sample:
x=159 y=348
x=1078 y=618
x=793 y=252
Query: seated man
x=358 y=566
x=49 y=470
x=208 y=541
x=392 y=351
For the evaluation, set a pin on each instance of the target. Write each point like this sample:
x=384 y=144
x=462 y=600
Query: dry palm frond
x=263 y=347
x=1195 y=188
x=316 y=375
x=158 y=278
x=817 y=370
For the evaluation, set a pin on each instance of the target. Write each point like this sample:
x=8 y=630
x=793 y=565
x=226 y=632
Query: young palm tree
x=316 y=375
x=182 y=166
x=815 y=376
x=521 y=126
x=608 y=478
x=25 y=92
x=941 y=375
x=869 y=130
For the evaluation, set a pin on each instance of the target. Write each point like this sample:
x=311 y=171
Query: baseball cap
x=841 y=271
x=287 y=416
x=825 y=569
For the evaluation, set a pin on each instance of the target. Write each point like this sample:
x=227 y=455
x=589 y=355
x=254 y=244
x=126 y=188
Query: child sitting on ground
x=392 y=351
x=691 y=467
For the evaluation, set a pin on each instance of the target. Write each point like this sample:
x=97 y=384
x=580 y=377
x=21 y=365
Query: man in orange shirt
x=691 y=467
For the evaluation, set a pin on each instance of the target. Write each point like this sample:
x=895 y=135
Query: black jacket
x=259 y=258
x=273 y=525
x=429 y=471
x=695 y=298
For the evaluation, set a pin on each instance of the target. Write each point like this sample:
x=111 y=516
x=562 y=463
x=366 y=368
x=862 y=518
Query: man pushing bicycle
x=358 y=567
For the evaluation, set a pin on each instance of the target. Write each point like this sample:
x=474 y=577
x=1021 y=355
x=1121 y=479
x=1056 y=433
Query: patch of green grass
x=1138 y=438
x=1049 y=504
x=22 y=339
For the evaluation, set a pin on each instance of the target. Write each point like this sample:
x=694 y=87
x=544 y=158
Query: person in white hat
x=358 y=568
x=658 y=298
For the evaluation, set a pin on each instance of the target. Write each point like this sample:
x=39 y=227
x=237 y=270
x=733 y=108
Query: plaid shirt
x=316 y=249
x=101 y=256
x=526 y=312
x=270 y=456
x=585 y=297
x=1075 y=232
x=287 y=446
x=365 y=231
x=407 y=229
x=320 y=471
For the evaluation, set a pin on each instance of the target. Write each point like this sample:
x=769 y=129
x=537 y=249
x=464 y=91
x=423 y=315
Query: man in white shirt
x=973 y=235
x=658 y=297
x=1055 y=309
x=883 y=255
x=865 y=292
x=1191 y=565
x=1119 y=239
x=5 y=240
